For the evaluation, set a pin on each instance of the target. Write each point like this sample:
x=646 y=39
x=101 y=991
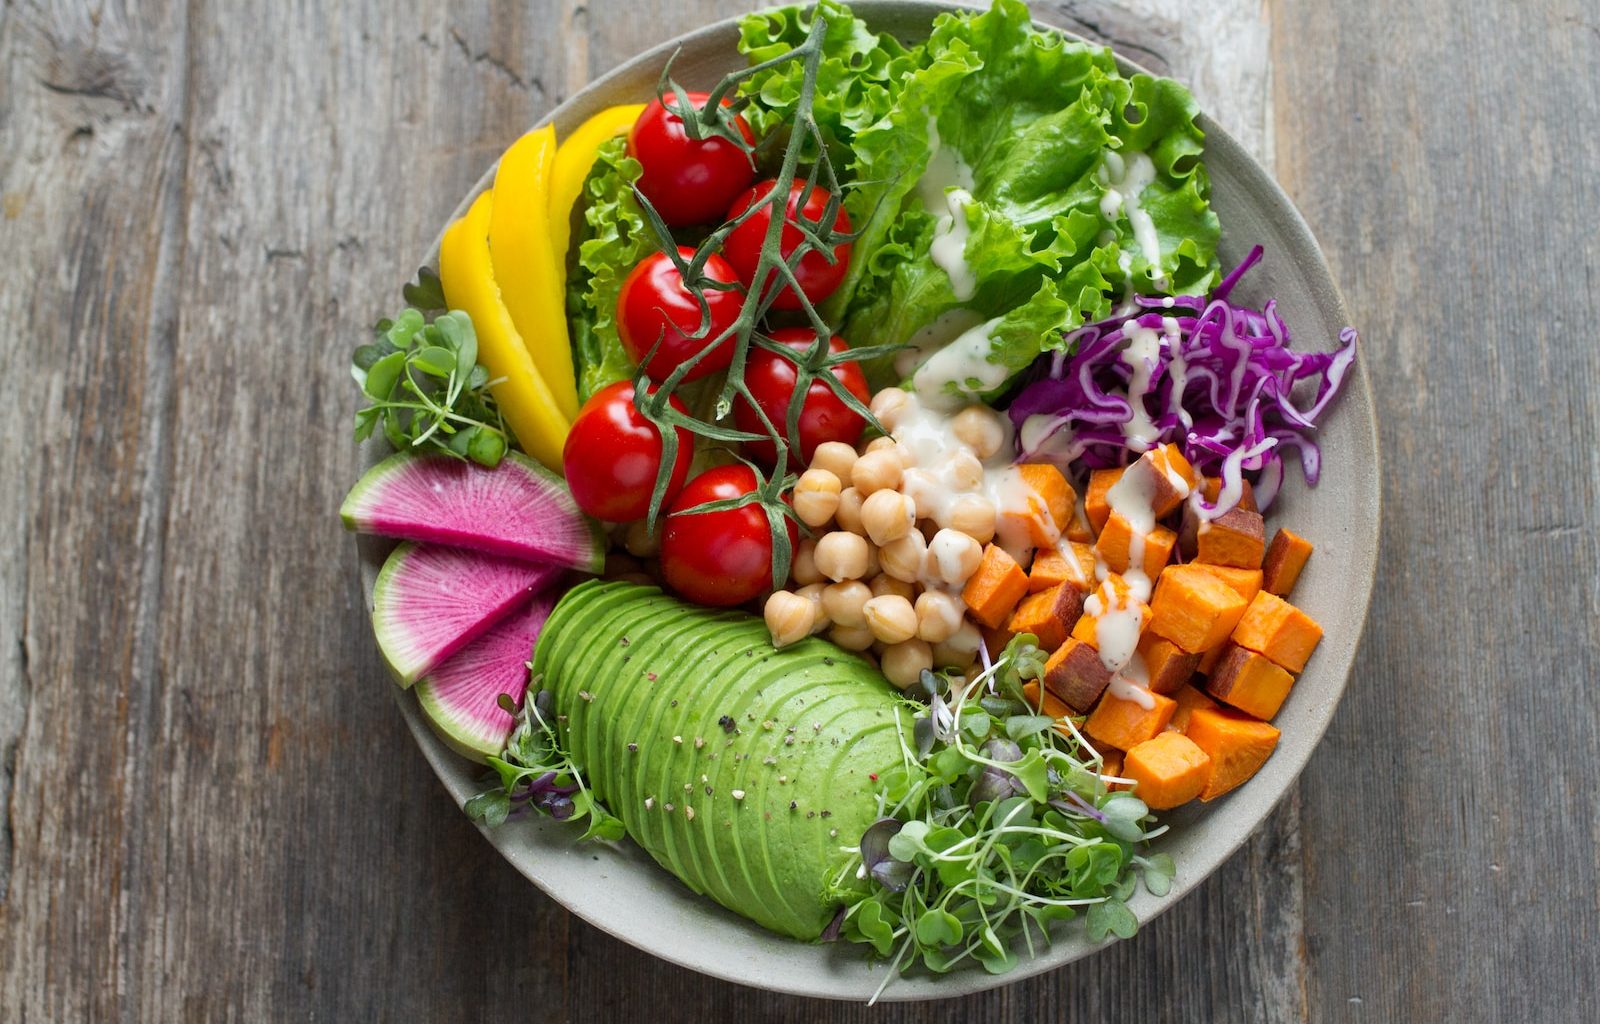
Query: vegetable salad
x=901 y=394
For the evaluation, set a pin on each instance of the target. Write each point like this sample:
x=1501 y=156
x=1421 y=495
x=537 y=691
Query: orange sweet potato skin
x=1194 y=609
x=1125 y=723
x=1250 y=682
x=1188 y=699
x=1168 y=770
x=1167 y=665
x=995 y=588
x=1237 y=744
x=1048 y=615
x=1095 y=505
x=1155 y=470
x=1233 y=538
x=1211 y=486
x=1075 y=673
x=1286 y=556
x=1277 y=629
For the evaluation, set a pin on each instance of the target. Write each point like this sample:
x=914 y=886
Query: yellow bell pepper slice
x=574 y=159
x=525 y=399
x=525 y=265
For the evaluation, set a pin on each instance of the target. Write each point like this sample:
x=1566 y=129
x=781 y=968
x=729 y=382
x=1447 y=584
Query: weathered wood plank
x=1446 y=155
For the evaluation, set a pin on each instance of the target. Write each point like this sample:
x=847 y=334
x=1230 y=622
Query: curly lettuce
x=613 y=238
x=1043 y=135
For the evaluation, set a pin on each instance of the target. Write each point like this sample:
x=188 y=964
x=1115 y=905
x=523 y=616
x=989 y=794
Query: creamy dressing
x=1142 y=355
x=1125 y=178
x=949 y=246
x=946 y=185
x=962 y=361
x=945 y=328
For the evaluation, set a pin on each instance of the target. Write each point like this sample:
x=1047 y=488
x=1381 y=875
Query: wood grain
x=211 y=814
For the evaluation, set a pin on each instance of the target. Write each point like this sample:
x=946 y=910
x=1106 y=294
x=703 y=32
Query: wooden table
x=212 y=811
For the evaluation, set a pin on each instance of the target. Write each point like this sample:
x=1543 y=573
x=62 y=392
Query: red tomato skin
x=823 y=417
x=688 y=182
x=653 y=298
x=719 y=559
x=613 y=453
x=818 y=278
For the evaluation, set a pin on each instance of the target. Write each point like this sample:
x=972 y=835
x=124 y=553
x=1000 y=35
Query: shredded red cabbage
x=1219 y=385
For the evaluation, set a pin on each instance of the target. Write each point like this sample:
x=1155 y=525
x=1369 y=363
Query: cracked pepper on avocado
x=879 y=567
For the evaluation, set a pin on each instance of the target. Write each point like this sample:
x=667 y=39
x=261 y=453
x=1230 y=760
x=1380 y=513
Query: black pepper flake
x=794 y=805
x=708 y=791
x=811 y=814
x=827 y=814
x=828 y=662
x=626 y=641
x=727 y=723
x=674 y=702
x=651 y=676
x=633 y=748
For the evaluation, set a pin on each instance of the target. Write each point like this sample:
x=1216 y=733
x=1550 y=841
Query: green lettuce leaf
x=1033 y=126
x=612 y=239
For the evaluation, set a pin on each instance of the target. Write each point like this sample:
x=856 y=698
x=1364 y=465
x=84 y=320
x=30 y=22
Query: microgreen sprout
x=995 y=826
x=425 y=384
x=535 y=773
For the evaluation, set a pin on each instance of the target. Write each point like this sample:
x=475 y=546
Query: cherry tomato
x=719 y=558
x=654 y=300
x=688 y=182
x=818 y=278
x=613 y=454
x=823 y=416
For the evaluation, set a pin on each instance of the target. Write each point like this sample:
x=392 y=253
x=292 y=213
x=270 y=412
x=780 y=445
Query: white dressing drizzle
x=1142 y=355
x=1125 y=178
x=949 y=246
x=963 y=361
x=945 y=328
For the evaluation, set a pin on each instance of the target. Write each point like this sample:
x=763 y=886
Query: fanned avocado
x=741 y=769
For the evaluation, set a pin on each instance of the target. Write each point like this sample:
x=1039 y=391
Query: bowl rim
x=1303 y=252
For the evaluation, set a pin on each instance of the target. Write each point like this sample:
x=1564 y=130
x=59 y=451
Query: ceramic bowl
x=621 y=891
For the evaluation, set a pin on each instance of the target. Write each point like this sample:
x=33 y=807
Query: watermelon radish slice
x=461 y=698
x=519 y=509
x=430 y=602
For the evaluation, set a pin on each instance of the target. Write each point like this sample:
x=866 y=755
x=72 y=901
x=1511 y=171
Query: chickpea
x=876 y=471
x=816 y=496
x=962 y=646
x=804 y=564
x=964 y=471
x=938 y=616
x=889 y=405
x=973 y=515
x=923 y=488
x=813 y=592
x=903 y=663
x=836 y=457
x=851 y=638
x=883 y=584
x=887 y=515
x=891 y=618
x=848 y=514
x=641 y=541
x=952 y=556
x=980 y=429
x=878 y=444
x=842 y=555
x=873 y=568
x=904 y=558
x=844 y=603
x=789 y=617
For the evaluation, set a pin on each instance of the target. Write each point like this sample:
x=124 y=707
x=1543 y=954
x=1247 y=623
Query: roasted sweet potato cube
x=1095 y=505
x=1047 y=702
x=1052 y=488
x=1076 y=674
x=1167 y=770
x=1208 y=660
x=1276 y=628
x=1237 y=744
x=1127 y=723
x=1111 y=764
x=996 y=639
x=1245 y=582
x=1118 y=539
x=1112 y=597
x=1071 y=563
x=1211 y=486
x=1250 y=682
x=1078 y=529
x=1161 y=478
x=995 y=588
x=1049 y=615
x=1194 y=609
x=1235 y=538
x=1188 y=699
x=1286 y=556
x=1167 y=665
